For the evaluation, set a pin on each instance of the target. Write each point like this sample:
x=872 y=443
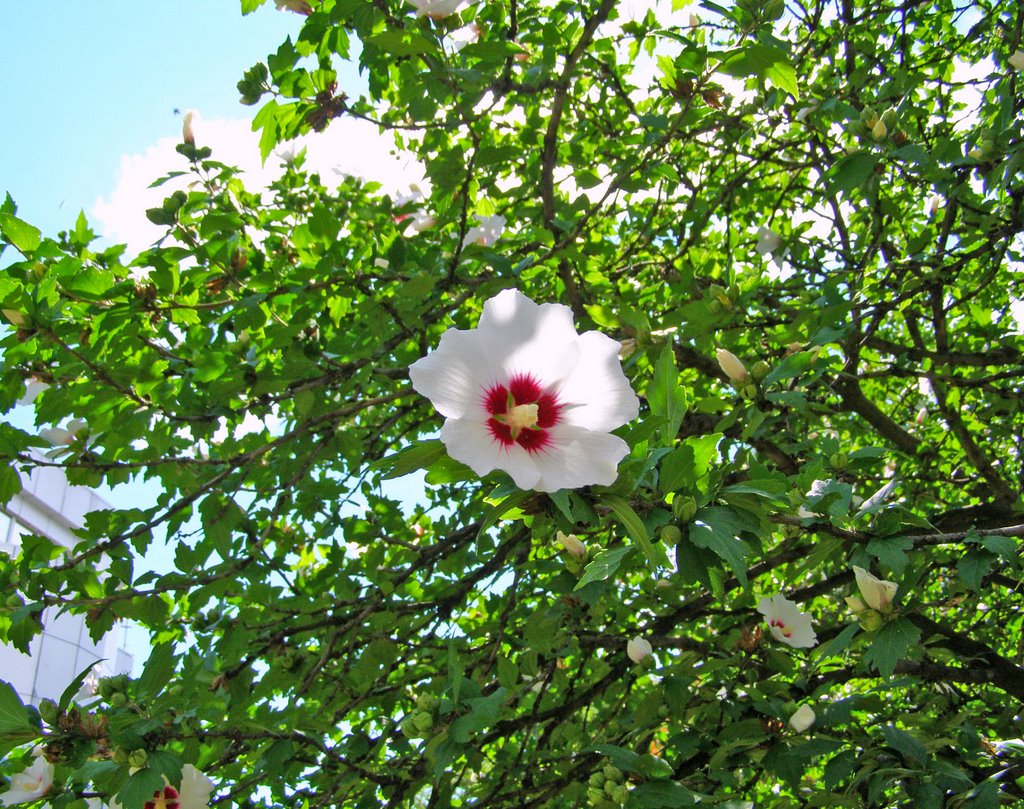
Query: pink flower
x=30 y=784
x=525 y=393
x=787 y=622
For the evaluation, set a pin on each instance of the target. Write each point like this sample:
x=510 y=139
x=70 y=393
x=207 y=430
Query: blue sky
x=97 y=79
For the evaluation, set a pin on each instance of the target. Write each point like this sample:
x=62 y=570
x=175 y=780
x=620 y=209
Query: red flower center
x=167 y=798
x=522 y=413
x=781 y=626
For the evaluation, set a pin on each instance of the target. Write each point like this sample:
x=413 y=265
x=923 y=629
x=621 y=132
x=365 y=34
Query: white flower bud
x=731 y=365
x=802 y=718
x=877 y=593
x=188 y=124
x=639 y=649
x=572 y=544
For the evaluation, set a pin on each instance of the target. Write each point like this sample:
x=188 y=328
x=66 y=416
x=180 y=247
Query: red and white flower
x=194 y=793
x=486 y=231
x=787 y=622
x=525 y=393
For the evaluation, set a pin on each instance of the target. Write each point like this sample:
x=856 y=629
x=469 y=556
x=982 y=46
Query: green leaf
x=849 y=173
x=158 y=670
x=682 y=468
x=891 y=644
x=140 y=787
x=660 y=795
x=604 y=566
x=499 y=510
x=637 y=531
x=972 y=567
x=401 y=42
x=75 y=685
x=783 y=76
x=418 y=456
x=717 y=528
x=13 y=715
x=666 y=398
x=906 y=744
x=22 y=235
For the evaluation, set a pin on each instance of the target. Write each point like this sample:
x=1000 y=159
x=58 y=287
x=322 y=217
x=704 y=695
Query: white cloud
x=348 y=147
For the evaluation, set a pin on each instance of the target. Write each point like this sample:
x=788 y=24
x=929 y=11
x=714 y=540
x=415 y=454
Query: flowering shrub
x=433 y=478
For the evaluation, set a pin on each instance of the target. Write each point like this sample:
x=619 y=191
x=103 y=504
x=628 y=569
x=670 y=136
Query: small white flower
x=932 y=205
x=638 y=649
x=878 y=593
x=1016 y=60
x=572 y=544
x=787 y=622
x=298 y=6
x=731 y=365
x=466 y=35
x=802 y=718
x=768 y=241
x=802 y=113
x=188 y=127
x=63 y=436
x=436 y=9
x=32 y=389
x=30 y=784
x=486 y=232
x=525 y=393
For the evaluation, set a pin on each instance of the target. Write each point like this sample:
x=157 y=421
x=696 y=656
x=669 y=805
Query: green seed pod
x=879 y=131
x=684 y=508
x=118 y=699
x=138 y=758
x=597 y=780
x=612 y=773
x=868 y=116
x=774 y=9
x=870 y=620
x=890 y=117
x=423 y=721
x=408 y=728
x=621 y=794
x=596 y=797
x=120 y=756
x=759 y=370
x=426 y=702
x=609 y=788
x=749 y=392
x=670 y=535
x=49 y=711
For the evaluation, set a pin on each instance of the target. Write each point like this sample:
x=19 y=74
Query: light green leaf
x=891 y=644
x=603 y=566
x=21 y=235
x=637 y=531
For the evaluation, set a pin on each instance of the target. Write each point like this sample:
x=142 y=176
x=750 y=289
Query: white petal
x=195 y=789
x=524 y=337
x=578 y=457
x=469 y=441
x=596 y=391
x=455 y=375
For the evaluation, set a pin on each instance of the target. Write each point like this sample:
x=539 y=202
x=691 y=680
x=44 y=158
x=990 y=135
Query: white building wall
x=50 y=506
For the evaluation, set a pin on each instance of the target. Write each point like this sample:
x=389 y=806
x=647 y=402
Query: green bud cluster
x=607 y=789
x=419 y=723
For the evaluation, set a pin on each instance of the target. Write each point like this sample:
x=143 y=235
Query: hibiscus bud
x=802 y=718
x=1016 y=60
x=890 y=117
x=731 y=365
x=879 y=131
x=49 y=711
x=760 y=370
x=120 y=756
x=870 y=620
x=423 y=721
x=597 y=780
x=856 y=604
x=670 y=535
x=749 y=392
x=426 y=702
x=868 y=116
x=138 y=758
x=639 y=649
x=118 y=700
x=572 y=544
x=684 y=508
x=16 y=317
x=877 y=593
x=922 y=416
x=188 y=123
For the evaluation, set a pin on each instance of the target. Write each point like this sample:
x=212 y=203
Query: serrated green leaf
x=418 y=456
x=637 y=531
x=603 y=566
x=891 y=644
